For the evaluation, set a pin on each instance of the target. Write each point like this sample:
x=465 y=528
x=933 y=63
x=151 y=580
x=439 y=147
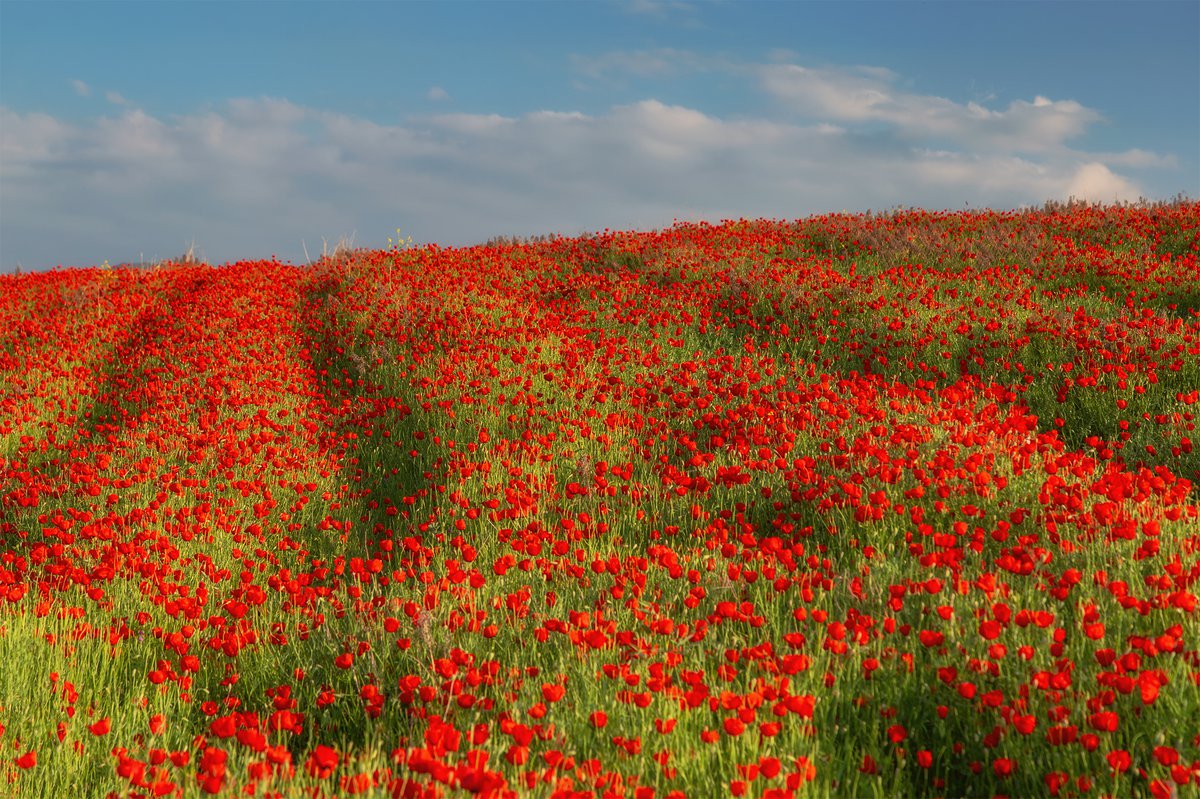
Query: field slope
x=888 y=505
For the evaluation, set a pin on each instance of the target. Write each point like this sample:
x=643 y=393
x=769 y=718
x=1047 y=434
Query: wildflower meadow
x=894 y=504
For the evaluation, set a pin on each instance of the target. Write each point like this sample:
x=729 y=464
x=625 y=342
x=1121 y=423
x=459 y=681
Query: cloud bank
x=257 y=176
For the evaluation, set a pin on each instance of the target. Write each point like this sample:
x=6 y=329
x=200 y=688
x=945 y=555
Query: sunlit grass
x=894 y=505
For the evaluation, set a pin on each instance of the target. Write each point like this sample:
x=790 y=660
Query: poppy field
x=894 y=504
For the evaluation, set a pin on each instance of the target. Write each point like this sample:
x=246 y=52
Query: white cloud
x=1139 y=159
x=255 y=176
x=870 y=94
x=28 y=140
x=437 y=94
x=472 y=123
x=81 y=88
x=116 y=98
x=849 y=95
x=1096 y=183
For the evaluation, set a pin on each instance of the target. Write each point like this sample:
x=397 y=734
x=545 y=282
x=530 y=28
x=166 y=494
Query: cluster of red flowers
x=894 y=504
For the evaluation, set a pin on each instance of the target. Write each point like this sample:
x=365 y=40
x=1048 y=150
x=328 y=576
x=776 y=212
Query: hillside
x=896 y=504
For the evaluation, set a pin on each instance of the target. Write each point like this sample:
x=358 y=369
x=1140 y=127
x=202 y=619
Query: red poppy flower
x=322 y=761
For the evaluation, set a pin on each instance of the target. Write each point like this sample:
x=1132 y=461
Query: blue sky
x=130 y=130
